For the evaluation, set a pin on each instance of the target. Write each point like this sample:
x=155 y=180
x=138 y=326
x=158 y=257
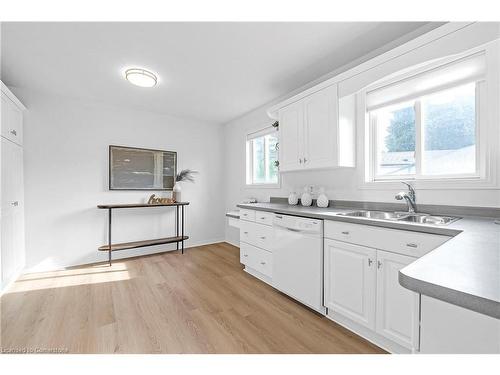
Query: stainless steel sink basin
x=374 y=214
x=409 y=217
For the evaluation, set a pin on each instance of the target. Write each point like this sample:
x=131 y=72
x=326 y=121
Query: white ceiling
x=213 y=72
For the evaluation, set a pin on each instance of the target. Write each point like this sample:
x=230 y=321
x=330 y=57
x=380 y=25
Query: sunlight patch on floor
x=94 y=274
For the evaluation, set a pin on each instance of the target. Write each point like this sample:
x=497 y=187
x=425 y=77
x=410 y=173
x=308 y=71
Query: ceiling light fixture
x=141 y=77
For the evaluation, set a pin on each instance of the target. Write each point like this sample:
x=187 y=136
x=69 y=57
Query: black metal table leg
x=109 y=236
x=182 y=243
x=177 y=225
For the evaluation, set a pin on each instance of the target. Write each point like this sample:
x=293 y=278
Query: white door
x=12 y=121
x=350 y=277
x=291 y=134
x=12 y=236
x=320 y=129
x=397 y=307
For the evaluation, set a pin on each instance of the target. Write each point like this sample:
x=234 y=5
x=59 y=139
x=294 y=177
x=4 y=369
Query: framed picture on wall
x=132 y=168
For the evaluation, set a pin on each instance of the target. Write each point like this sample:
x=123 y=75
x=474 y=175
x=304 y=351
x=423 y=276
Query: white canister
x=293 y=198
x=306 y=198
x=322 y=200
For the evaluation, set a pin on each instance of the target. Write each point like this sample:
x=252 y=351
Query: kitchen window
x=262 y=158
x=426 y=126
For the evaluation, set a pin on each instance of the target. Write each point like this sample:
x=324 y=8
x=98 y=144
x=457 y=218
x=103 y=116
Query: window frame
x=419 y=129
x=250 y=157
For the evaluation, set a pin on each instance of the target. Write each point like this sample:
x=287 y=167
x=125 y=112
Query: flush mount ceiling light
x=141 y=77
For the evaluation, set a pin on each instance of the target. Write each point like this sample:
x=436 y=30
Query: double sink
x=409 y=217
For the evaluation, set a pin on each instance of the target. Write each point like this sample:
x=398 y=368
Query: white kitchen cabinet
x=291 y=119
x=350 y=281
x=397 y=308
x=12 y=189
x=309 y=133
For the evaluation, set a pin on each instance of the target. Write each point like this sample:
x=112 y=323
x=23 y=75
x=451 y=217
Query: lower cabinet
x=350 y=281
x=361 y=284
x=397 y=307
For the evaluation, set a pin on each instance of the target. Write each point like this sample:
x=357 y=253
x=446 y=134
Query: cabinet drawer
x=265 y=218
x=258 y=259
x=414 y=244
x=248 y=215
x=256 y=234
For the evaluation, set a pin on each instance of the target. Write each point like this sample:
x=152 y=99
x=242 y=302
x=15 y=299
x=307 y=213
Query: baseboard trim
x=367 y=334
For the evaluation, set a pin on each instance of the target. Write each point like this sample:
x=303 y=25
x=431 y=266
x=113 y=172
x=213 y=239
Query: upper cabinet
x=311 y=136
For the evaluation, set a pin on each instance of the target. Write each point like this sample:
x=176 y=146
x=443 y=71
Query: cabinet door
x=320 y=129
x=290 y=144
x=397 y=307
x=12 y=121
x=350 y=277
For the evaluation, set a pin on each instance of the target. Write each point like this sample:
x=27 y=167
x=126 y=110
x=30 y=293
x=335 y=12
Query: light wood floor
x=199 y=302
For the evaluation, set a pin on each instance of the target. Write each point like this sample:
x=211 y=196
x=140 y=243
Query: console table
x=135 y=244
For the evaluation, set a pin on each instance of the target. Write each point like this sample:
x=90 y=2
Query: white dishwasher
x=298 y=259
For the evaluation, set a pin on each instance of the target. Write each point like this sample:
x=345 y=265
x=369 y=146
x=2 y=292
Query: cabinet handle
x=13 y=132
x=379 y=264
x=245 y=255
x=305 y=160
x=245 y=214
x=411 y=244
x=300 y=161
x=263 y=218
x=263 y=238
x=15 y=204
x=245 y=232
x=370 y=262
x=263 y=263
x=278 y=216
x=345 y=232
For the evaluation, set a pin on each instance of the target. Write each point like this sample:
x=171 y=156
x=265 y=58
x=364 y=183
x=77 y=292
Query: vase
x=293 y=198
x=322 y=200
x=306 y=198
x=176 y=192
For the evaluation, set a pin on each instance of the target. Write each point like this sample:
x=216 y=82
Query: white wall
x=66 y=176
x=340 y=184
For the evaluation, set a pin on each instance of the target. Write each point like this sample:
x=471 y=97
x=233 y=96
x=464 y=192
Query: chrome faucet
x=409 y=196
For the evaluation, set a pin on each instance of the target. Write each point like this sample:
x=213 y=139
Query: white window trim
x=249 y=160
x=487 y=137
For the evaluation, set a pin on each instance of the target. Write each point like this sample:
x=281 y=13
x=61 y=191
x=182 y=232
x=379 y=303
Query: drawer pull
x=379 y=264
x=263 y=238
x=278 y=216
x=370 y=262
x=345 y=232
x=263 y=263
x=245 y=214
x=245 y=232
x=245 y=255
x=411 y=244
x=263 y=218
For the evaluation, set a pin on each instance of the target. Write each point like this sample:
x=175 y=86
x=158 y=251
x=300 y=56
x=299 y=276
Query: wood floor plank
x=198 y=302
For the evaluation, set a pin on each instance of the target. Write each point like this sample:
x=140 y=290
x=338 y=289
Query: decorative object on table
x=184 y=175
x=249 y=200
x=132 y=168
x=153 y=199
x=306 y=198
x=293 y=198
x=322 y=200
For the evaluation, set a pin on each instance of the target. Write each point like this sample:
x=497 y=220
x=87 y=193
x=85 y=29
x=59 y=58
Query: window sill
x=432 y=184
x=263 y=186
